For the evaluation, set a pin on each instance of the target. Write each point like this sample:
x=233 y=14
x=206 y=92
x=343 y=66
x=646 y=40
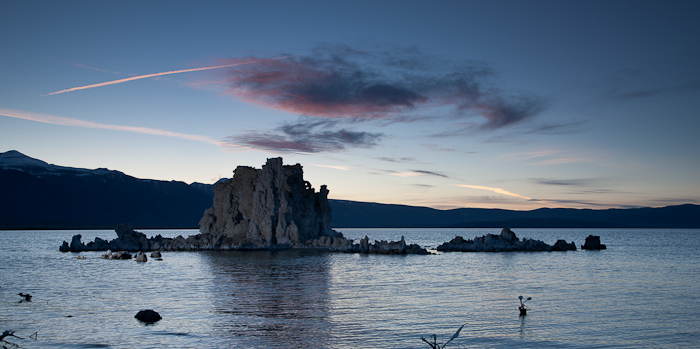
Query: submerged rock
x=593 y=243
x=507 y=241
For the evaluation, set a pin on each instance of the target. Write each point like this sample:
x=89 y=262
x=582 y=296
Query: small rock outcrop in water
x=268 y=208
x=148 y=316
x=127 y=240
x=116 y=255
x=562 y=245
x=593 y=243
x=386 y=247
x=507 y=241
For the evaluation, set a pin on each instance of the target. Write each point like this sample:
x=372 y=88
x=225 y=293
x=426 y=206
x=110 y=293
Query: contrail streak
x=59 y=120
x=154 y=75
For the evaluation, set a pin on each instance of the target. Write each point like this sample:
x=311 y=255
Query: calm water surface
x=642 y=292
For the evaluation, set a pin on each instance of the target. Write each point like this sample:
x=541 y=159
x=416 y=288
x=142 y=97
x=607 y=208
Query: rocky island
x=268 y=208
x=507 y=241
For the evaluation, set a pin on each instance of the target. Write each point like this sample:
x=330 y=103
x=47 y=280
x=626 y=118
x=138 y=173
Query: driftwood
x=523 y=310
x=435 y=345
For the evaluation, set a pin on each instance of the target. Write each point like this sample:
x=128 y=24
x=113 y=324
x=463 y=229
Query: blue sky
x=501 y=104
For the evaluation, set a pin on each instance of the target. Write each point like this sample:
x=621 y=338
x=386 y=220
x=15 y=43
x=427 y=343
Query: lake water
x=642 y=292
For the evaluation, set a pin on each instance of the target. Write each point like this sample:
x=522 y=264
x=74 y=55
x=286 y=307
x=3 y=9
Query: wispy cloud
x=146 y=76
x=64 y=121
x=435 y=147
x=342 y=168
x=579 y=182
x=404 y=174
x=431 y=173
x=557 y=128
x=424 y=185
x=561 y=156
x=397 y=160
x=414 y=173
x=495 y=190
x=399 y=84
x=95 y=69
x=548 y=202
x=570 y=203
x=307 y=135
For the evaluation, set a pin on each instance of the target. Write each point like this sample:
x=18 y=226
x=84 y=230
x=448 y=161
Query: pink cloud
x=393 y=84
x=314 y=88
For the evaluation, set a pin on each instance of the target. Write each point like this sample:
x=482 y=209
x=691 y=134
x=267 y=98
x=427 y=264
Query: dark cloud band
x=307 y=136
x=389 y=83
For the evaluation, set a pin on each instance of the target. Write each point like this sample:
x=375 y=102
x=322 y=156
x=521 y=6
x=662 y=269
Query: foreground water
x=640 y=292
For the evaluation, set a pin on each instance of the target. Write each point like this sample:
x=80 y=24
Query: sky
x=446 y=104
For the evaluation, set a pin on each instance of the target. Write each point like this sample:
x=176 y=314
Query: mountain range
x=38 y=195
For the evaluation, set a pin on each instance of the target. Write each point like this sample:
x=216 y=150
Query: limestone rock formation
x=268 y=208
x=593 y=243
x=127 y=240
x=387 y=247
x=562 y=245
x=507 y=241
x=116 y=255
x=272 y=207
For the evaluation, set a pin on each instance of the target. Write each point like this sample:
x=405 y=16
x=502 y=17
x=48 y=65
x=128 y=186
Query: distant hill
x=350 y=214
x=38 y=195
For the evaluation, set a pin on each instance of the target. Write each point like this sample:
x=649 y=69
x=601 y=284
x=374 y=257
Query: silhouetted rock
x=127 y=240
x=116 y=255
x=385 y=247
x=271 y=207
x=507 y=241
x=148 y=316
x=562 y=245
x=593 y=243
x=268 y=208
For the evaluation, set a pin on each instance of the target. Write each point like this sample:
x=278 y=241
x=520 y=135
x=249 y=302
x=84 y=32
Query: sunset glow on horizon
x=502 y=104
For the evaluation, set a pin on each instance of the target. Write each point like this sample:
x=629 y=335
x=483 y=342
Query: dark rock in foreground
x=593 y=243
x=148 y=316
x=507 y=241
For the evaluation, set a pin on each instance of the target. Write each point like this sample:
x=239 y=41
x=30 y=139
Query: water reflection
x=523 y=328
x=280 y=298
